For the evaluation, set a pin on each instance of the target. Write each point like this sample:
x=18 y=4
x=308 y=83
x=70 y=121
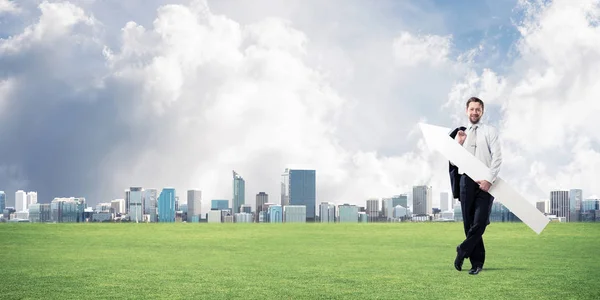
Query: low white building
x=294 y=214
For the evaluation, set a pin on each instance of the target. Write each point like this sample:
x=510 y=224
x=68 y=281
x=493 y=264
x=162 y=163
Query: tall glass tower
x=299 y=187
x=166 y=205
x=2 y=201
x=239 y=192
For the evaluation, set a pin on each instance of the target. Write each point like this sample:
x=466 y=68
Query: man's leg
x=473 y=244
x=467 y=200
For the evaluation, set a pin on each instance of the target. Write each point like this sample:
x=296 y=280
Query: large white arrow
x=438 y=138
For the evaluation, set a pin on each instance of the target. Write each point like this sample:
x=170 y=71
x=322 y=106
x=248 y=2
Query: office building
x=422 y=204
x=194 y=204
x=401 y=199
x=275 y=214
x=150 y=204
x=327 y=212
x=299 y=188
x=444 y=201
x=294 y=214
x=20 y=201
x=373 y=210
x=219 y=204
x=103 y=206
x=166 y=205
x=541 y=206
x=66 y=210
x=136 y=207
x=118 y=206
x=2 y=201
x=214 y=216
x=127 y=192
x=261 y=199
x=400 y=212
x=363 y=217
x=348 y=213
x=39 y=213
x=239 y=192
x=387 y=208
x=575 y=198
x=559 y=204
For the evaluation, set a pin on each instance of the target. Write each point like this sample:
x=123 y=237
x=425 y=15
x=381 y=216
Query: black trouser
x=476 y=206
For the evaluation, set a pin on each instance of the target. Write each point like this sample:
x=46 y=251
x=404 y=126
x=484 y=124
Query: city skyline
x=433 y=200
x=258 y=94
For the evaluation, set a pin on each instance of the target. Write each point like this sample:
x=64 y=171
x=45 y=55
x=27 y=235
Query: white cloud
x=6 y=88
x=411 y=50
x=200 y=93
x=9 y=6
x=549 y=99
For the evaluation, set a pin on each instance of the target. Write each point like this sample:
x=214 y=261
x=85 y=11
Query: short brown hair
x=475 y=99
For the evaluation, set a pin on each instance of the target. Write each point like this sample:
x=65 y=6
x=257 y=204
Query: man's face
x=474 y=112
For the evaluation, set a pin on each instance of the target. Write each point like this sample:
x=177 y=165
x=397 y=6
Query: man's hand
x=484 y=185
x=461 y=136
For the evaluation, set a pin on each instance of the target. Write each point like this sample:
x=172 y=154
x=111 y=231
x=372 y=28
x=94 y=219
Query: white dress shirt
x=487 y=149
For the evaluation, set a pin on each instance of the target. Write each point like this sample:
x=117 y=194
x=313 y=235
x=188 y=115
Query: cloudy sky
x=97 y=96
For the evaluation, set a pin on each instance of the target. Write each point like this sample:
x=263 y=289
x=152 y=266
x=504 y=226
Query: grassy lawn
x=294 y=261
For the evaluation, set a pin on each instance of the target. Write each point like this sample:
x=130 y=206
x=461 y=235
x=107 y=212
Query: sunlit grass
x=293 y=261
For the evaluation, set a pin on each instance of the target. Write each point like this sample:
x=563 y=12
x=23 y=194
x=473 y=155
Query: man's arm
x=496 y=153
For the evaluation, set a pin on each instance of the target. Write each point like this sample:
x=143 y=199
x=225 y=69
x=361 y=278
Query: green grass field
x=294 y=261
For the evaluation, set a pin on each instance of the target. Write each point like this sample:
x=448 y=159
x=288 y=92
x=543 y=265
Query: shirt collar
x=470 y=126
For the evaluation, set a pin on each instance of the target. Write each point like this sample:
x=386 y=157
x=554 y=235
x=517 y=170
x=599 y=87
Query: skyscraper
x=444 y=205
x=20 y=201
x=239 y=192
x=373 y=210
x=31 y=199
x=2 y=201
x=136 y=208
x=194 y=205
x=261 y=199
x=422 y=204
x=559 y=204
x=299 y=187
x=127 y=192
x=150 y=201
x=575 y=197
x=166 y=205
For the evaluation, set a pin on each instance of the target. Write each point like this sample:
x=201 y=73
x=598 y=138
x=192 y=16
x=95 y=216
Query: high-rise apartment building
x=239 y=192
x=422 y=204
x=299 y=187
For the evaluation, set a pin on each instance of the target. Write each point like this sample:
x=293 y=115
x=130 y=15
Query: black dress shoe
x=460 y=258
x=475 y=271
